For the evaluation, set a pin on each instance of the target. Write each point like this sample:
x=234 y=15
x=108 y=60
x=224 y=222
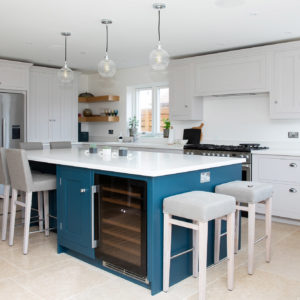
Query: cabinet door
x=75 y=222
x=285 y=92
x=14 y=75
x=183 y=105
x=216 y=75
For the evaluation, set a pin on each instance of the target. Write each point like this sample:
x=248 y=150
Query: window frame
x=155 y=107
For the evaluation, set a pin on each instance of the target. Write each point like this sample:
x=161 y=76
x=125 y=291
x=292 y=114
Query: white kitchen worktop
x=138 y=162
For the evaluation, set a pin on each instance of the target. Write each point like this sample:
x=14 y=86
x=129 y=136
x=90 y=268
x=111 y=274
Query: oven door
x=246 y=172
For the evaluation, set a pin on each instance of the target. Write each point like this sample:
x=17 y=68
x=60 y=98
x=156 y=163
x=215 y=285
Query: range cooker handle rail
x=293 y=165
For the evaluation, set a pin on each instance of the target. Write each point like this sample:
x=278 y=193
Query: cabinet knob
x=293 y=165
x=82 y=190
x=292 y=190
x=185 y=106
x=276 y=102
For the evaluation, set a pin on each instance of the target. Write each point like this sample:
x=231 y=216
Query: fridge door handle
x=95 y=189
x=3 y=132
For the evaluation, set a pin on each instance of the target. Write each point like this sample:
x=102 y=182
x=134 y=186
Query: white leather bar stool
x=200 y=207
x=5 y=180
x=22 y=179
x=251 y=194
x=60 y=145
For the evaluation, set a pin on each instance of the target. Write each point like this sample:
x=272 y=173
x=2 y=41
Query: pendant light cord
x=158 y=26
x=65 y=49
x=106 y=49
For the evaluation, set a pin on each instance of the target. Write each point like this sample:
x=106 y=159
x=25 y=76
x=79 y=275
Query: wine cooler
x=121 y=225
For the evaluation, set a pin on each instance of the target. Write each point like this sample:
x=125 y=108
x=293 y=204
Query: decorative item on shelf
x=159 y=58
x=93 y=148
x=106 y=67
x=171 y=136
x=65 y=74
x=133 y=124
x=123 y=151
x=86 y=95
x=116 y=112
x=167 y=125
x=87 y=112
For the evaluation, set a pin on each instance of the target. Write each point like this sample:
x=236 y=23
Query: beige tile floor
x=43 y=274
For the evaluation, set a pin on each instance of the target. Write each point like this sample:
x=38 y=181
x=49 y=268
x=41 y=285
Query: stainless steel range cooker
x=242 y=150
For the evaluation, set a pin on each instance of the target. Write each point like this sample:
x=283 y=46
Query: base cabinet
x=74 y=210
x=283 y=173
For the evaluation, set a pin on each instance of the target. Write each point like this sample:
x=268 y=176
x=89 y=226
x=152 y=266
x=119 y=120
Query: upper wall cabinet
x=52 y=107
x=285 y=91
x=235 y=72
x=14 y=75
x=183 y=104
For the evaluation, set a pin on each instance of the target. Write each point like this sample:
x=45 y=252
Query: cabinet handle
x=276 y=102
x=0 y=82
x=185 y=106
x=292 y=190
x=82 y=190
x=293 y=165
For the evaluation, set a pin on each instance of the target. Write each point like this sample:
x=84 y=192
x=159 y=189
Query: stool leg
x=268 y=207
x=218 y=223
x=40 y=208
x=22 y=196
x=237 y=230
x=5 y=211
x=12 y=217
x=230 y=251
x=46 y=212
x=251 y=237
x=195 y=251
x=203 y=228
x=167 y=251
x=28 y=202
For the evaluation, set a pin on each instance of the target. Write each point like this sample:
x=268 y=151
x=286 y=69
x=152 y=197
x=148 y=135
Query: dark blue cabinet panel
x=74 y=206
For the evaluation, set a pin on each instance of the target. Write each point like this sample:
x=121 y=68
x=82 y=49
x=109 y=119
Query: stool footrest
x=182 y=253
x=183 y=224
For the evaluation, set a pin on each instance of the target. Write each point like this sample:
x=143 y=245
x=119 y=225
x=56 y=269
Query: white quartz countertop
x=137 y=162
x=279 y=151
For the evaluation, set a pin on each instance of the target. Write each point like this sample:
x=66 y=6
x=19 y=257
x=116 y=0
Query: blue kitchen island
x=109 y=209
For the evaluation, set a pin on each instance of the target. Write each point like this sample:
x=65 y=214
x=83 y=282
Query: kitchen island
x=109 y=209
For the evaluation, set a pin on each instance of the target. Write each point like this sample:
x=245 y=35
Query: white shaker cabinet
x=52 y=107
x=236 y=72
x=14 y=75
x=283 y=172
x=285 y=91
x=183 y=104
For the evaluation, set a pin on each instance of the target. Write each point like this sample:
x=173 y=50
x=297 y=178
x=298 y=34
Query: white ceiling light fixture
x=159 y=58
x=65 y=74
x=106 y=67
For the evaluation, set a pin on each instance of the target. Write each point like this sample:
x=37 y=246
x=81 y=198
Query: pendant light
x=106 y=67
x=65 y=74
x=159 y=58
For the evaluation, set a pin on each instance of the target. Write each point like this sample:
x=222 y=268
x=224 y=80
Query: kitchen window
x=151 y=107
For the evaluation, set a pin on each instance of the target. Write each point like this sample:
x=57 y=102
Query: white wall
x=227 y=119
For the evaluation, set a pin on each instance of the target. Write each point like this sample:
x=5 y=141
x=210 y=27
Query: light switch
x=204 y=177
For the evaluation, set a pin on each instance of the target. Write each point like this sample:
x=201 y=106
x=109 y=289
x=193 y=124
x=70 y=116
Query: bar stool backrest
x=60 y=145
x=19 y=170
x=31 y=146
x=4 y=177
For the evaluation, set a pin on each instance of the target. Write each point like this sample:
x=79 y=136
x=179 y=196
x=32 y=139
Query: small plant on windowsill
x=133 y=124
x=167 y=125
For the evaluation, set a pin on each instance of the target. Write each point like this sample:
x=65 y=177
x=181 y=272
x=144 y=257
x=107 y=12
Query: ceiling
x=30 y=30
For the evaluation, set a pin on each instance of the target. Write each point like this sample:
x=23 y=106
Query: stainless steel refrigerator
x=12 y=119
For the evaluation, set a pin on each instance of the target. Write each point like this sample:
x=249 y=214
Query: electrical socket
x=110 y=131
x=293 y=134
x=204 y=177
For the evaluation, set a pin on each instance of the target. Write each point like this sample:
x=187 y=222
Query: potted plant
x=167 y=125
x=133 y=124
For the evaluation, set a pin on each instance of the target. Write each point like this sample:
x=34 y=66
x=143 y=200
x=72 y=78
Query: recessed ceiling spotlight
x=254 y=13
x=229 y=3
x=287 y=32
x=83 y=52
x=28 y=43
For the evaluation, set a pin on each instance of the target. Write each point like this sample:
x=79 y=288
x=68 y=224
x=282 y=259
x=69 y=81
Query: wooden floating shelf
x=106 y=98
x=99 y=119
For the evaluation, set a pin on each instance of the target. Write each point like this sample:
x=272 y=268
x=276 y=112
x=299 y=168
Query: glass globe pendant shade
x=107 y=67
x=65 y=74
x=159 y=58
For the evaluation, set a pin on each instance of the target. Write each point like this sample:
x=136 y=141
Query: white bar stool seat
x=22 y=179
x=249 y=193
x=200 y=207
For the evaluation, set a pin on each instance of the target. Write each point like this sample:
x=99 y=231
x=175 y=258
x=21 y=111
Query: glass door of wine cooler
x=122 y=223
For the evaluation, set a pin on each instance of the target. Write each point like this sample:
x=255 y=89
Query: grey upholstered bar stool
x=5 y=180
x=201 y=207
x=34 y=146
x=250 y=194
x=60 y=145
x=22 y=179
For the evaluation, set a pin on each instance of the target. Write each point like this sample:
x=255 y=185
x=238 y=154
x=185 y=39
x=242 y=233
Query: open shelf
x=106 y=98
x=121 y=233
x=99 y=119
x=121 y=202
